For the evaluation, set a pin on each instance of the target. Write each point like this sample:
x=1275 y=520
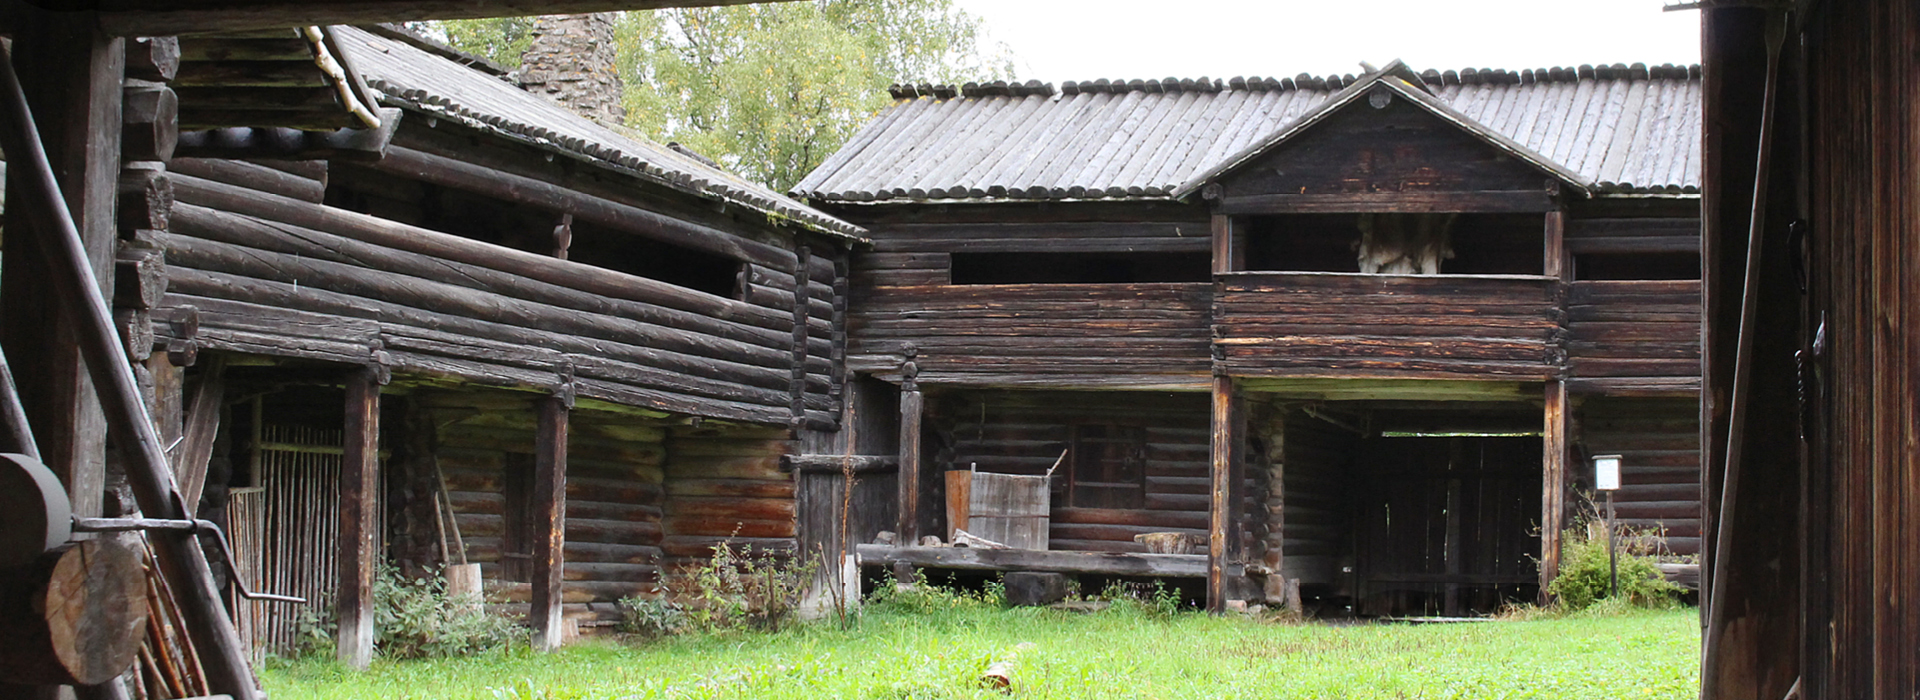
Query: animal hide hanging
x=1404 y=244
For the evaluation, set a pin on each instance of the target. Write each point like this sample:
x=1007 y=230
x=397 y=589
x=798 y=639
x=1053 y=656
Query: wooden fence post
x=1220 y=508
x=912 y=408
x=359 y=518
x=549 y=522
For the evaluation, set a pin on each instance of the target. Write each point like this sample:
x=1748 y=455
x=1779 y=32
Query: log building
x=384 y=307
x=1358 y=333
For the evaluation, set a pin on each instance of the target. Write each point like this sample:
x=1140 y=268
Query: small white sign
x=1606 y=472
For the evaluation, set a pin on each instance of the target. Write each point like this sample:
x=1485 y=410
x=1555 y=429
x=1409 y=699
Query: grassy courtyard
x=939 y=648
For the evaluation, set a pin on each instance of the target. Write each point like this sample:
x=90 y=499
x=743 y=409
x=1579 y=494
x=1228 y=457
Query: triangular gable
x=1404 y=87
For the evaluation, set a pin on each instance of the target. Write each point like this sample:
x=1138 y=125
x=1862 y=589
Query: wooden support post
x=359 y=515
x=74 y=90
x=912 y=406
x=1553 y=482
x=1558 y=264
x=203 y=425
x=549 y=522
x=1220 y=507
x=1227 y=255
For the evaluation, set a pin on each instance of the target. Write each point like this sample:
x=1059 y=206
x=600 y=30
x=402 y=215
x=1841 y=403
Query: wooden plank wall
x=1344 y=325
x=269 y=270
x=1658 y=440
x=1633 y=335
x=1024 y=433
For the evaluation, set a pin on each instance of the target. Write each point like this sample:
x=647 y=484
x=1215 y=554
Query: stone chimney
x=571 y=61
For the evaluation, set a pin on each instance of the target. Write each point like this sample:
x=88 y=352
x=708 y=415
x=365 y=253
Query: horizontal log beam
x=1102 y=563
x=1389 y=202
x=835 y=464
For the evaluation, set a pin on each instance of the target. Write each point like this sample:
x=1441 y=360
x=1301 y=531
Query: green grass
x=1121 y=653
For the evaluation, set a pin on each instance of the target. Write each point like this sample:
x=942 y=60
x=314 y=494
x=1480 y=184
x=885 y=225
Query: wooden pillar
x=1558 y=263
x=359 y=518
x=1553 y=482
x=1224 y=474
x=1228 y=255
x=71 y=74
x=912 y=408
x=549 y=522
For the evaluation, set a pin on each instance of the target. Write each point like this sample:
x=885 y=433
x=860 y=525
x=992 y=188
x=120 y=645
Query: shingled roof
x=413 y=79
x=1613 y=129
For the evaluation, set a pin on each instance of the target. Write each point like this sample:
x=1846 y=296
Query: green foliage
x=1642 y=654
x=769 y=90
x=498 y=39
x=651 y=617
x=1584 y=575
x=743 y=588
x=1154 y=600
x=414 y=619
x=925 y=599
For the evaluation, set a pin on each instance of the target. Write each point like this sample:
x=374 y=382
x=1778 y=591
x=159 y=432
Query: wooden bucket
x=1007 y=508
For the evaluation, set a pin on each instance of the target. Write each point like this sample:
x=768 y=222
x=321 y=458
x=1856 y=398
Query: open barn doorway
x=1448 y=524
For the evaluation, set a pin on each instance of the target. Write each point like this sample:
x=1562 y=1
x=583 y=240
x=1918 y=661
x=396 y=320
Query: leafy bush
x=652 y=617
x=414 y=619
x=1584 y=576
x=760 y=590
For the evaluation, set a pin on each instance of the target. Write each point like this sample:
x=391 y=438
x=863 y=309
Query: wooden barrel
x=1007 y=508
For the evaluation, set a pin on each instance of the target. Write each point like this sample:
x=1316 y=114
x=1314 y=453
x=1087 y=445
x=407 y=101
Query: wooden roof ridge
x=1561 y=74
x=1392 y=77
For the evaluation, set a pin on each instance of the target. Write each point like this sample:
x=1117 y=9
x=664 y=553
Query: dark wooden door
x=1446 y=525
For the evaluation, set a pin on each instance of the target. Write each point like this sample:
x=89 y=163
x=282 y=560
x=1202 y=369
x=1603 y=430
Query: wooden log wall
x=1658 y=440
x=1059 y=334
x=1315 y=534
x=255 y=265
x=1340 y=325
x=614 y=487
x=1633 y=336
x=726 y=483
x=1025 y=432
x=1085 y=335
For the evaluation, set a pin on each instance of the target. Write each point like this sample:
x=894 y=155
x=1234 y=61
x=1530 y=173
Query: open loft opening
x=1664 y=265
x=1398 y=243
x=533 y=230
x=1080 y=268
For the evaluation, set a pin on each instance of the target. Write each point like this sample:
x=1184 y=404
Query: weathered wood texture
x=1633 y=336
x=1658 y=440
x=1099 y=563
x=1340 y=325
x=1319 y=460
x=725 y=483
x=1025 y=432
x=1446 y=520
x=547 y=501
x=614 y=495
x=1607 y=235
x=274 y=275
x=1055 y=334
x=1401 y=151
x=360 y=534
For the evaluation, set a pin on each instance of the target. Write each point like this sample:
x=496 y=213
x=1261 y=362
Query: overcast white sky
x=1056 y=40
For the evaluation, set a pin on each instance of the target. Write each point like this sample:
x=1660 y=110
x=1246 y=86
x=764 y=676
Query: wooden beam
x=1220 y=506
x=359 y=519
x=549 y=521
x=1553 y=482
x=1558 y=262
x=1227 y=257
x=72 y=284
x=1389 y=202
x=203 y=425
x=912 y=408
x=1098 y=563
x=519 y=189
x=836 y=464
